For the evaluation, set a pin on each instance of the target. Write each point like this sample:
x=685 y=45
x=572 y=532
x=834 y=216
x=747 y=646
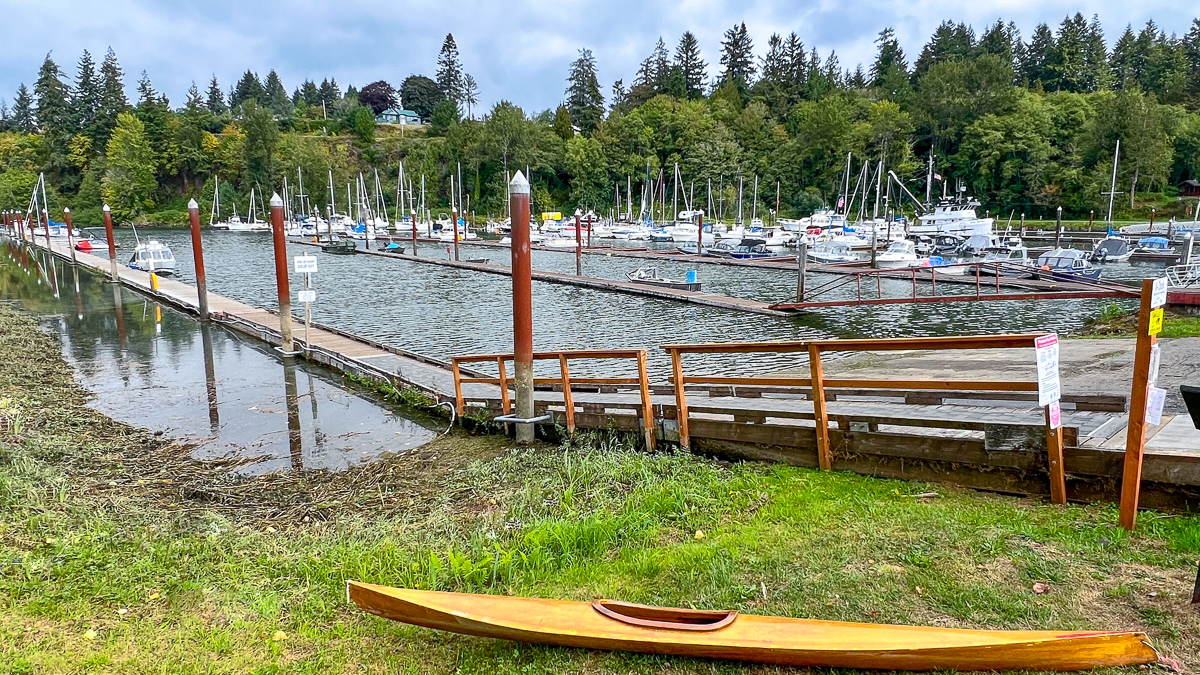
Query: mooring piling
x=1058 y=228
x=70 y=241
x=112 y=244
x=281 y=276
x=578 y=248
x=198 y=258
x=522 y=284
x=802 y=268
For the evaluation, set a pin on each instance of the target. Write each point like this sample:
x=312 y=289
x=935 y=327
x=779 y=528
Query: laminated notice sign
x=1158 y=293
x=1049 y=385
x=307 y=296
x=1055 y=415
x=1155 y=399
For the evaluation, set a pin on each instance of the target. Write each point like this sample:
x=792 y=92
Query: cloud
x=517 y=50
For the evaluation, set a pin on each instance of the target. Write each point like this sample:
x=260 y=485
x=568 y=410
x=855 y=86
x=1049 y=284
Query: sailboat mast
x=741 y=188
x=1112 y=190
x=846 y=189
x=929 y=182
x=675 y=193
x=754 y=204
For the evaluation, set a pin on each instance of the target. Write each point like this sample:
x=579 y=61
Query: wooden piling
x=281 y=276
x=1058 y=228
x=198 y=258
x=112 y=244
x=522 y=281
x=70 y=239
x=578 y=248
x=802 y=269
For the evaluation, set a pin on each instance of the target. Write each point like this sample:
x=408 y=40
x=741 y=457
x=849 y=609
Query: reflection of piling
x=120 y=309
x=522 y=284
x=281 y=275
x=70 y=240
x=78 y=295
x=112 y=243
x=198 y=257
x=210 y=379
x=295 y=437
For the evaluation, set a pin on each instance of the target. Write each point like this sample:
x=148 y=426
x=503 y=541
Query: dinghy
x=606 y=624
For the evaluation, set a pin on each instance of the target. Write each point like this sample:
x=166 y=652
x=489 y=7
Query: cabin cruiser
x=153 y=256
x=831 y=252
x=1111 y=250
x=947 y=265
x=947 y=245
x=685 y=233
x=1011 y=260
x=976 y=244
x=899 y=254
x=750 y=249
x=957 y=218
x=1065 y=264
x=631 y=232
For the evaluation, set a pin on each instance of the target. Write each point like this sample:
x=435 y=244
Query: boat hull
x=763 y=639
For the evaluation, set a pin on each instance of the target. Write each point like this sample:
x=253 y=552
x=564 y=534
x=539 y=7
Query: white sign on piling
x=307 y=296
x=1156 y=398
x=1049 y=385
x=1158 y=294
x=305 y=264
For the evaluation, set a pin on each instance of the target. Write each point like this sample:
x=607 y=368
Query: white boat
x=687 y=233
x=558 y=242
x=153 y=256
x=949 y=217
x=900 y=254
x=664 y=233
x=1111 y=250
x=831 y=252
x=774 y=238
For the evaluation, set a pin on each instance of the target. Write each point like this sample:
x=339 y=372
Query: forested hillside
x=1028 y=124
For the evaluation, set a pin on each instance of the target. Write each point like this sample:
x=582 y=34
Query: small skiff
x=611 y=625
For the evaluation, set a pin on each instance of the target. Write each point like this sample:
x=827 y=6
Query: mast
x=675 y=193
x=754 y=204
x=741 y=185
x=878 y=187
x=846 y=189
x=929 y=182
x=215 y=211
x=1112 y=190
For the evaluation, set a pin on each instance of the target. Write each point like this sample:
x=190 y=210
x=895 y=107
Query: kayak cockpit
x=671 y=618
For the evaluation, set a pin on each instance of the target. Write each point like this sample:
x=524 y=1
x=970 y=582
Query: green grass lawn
x=120 y=554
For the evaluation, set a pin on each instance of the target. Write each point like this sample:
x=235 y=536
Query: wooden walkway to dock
x=974 y=439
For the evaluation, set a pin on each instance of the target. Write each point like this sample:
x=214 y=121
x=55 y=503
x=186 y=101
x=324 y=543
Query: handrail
x=564 y=379
x=817 y=383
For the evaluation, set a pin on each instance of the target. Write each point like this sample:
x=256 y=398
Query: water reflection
x=156 y=368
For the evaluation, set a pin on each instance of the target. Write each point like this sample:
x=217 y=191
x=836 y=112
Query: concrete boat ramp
x=980 y=439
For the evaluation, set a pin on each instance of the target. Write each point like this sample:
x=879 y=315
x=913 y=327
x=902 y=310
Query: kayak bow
x=611 y=625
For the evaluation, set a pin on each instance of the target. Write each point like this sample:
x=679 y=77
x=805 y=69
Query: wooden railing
x=564 y=380
x=817 y=382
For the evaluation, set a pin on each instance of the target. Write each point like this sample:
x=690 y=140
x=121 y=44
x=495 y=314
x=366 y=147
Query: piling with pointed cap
x=522 y=283
x=1058 y=228
x=198 y=257
x=281 y=275
x=70 y=243
x=112 y=244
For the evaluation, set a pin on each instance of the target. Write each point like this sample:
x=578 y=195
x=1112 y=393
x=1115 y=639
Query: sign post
x=306 y=265
x=1049 y=394
x=1142 y=396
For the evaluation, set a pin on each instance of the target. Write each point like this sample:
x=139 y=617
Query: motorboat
x=663 y=234
x=899 y=254
x=92 y=239
x=1010 y=260
x=832 y=252
x=947 y=245
x=976 y=244
x=631 y=232
x=648 y=276
x=774 y=238
x=1111 y=250
x=752 y=249
x=948 y=265
x=685 y=234
x=953 y=217
x=558 y=242
x=153 y=256
x=339 y=246
x=1153 y=249
x=1065 y=264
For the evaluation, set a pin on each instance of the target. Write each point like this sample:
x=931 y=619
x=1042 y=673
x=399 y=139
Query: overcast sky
x=517 y=50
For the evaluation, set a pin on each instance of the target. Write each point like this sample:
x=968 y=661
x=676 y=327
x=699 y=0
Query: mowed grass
x=101 y=579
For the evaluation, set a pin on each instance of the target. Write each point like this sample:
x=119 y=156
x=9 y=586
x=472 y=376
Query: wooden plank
x=681 y=410
x=1135 y=438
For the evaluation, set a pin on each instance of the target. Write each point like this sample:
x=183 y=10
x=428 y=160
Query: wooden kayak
x=610 y=625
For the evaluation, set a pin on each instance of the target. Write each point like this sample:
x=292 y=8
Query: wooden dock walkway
x=969 y=438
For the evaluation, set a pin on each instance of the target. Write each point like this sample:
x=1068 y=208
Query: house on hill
x=395 y=116
x=1189 y=188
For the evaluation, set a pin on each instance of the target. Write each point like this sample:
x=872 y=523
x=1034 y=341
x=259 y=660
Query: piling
x=578 y=248
x=198 y=257
x=589 y=226
x=281 y=276
x=455 y=218
x=1091 y=218
x=522 y=283
x=112 y=244
x=802 y=268
x=1022 y=225
x=46 y=222
x=70 y=241
x=1058 y=228
x=1187 y=249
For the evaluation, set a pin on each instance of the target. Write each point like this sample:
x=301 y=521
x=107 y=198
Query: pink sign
x=1055 y=415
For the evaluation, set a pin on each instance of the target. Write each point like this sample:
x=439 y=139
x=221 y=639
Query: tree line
x=1026 y=125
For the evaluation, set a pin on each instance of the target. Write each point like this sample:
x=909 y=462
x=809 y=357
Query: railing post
x=820 y=416
x=1054 y=450
x=504 y=400
x=566 y=386
x=459 y=404
x=647 y=406
x=1135 y=434
x=681 y=412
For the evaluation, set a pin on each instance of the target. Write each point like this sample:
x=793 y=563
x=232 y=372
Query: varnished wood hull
x=765 y=639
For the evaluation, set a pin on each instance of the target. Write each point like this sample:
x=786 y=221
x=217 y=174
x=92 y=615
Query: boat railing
x=817 y=383
x=1184 y=276
x=565 y=380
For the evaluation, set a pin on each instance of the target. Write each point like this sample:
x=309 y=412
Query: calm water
x=442 y=311
x=156 y=368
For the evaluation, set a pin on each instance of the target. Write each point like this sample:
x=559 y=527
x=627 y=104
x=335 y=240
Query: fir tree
x=1039 y=55
x=247 y=88
x=796 y=67
x=276 y=96
x=112 y=97
x=660 y=64
x=1095 y=57
x=23 y=118
x=620 y=98
x=470 y=94
x=737 y=59
x=215 y=102
x=889 y=73
x=449 y=70
x=310 y=93
x=584 y=100
x=329 y=92
x=1068 y=64
x=1191 y=47
x=687 y=58
x=950 y=42
x=86 y=103
x=53 y=100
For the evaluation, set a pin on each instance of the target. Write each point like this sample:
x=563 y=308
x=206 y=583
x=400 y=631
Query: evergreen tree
x=620 y=98
x=310 y=93
x=23 y=117
x=470 y=94
x=1038 y=57
x=998 y=40
x=1122 y=62
x=216 y=100
x=660 y=61
x=687 y=58
x=449 y=70
x=584 y=100
x=950 y=42
x=330 y=93
x=86 y=102
x=774 y=86
x=249 y=87
x=276 y=96
x=796 y=67
x=1069 y=63
x=258 y=148
x=1191 y=46
x=889 y=73
x=154 y=112
x=1095 y=57
x=53 y=100
x=857 y=79
x=112 y=96
x=562 y=125
x=737 y=59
